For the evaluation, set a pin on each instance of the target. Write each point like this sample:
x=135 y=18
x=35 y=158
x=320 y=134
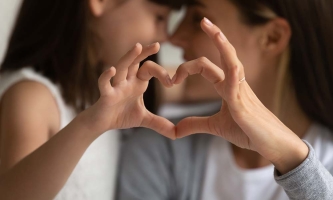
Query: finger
x=160 y=125
x=146 y=51
x=235 y=70
x=227 y=51
x=104 y=84
x=125 y=62
x=202 y=66
x=192 y=125
x=150 y=69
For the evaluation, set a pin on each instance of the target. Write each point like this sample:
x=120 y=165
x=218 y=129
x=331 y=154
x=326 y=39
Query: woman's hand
x=243 y=119
x=121 y=105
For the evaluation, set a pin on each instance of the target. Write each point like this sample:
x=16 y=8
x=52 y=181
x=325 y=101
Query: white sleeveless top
x=94 y=176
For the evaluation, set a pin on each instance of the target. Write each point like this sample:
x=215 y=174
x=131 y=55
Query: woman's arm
x=244 y=121
x=43 y=173
x=310 y=180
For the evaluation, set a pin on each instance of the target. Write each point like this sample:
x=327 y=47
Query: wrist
x=291 y=156
x=84 y=119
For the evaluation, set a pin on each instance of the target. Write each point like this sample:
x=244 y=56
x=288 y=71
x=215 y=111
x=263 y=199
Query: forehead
x=218 y=8
x=210 y=4
x=174 y=4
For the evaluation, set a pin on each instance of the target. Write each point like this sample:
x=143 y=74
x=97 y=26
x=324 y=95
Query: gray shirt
x=153 y=167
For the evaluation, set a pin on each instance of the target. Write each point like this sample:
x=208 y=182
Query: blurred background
x=8 y=12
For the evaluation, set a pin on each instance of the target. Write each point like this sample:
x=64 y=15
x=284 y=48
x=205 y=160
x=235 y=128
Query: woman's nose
x=180 y=37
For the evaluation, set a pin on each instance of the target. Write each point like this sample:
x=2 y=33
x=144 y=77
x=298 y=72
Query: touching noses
x=180 y=37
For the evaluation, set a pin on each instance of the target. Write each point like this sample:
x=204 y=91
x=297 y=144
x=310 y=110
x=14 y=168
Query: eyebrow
x=196 y=3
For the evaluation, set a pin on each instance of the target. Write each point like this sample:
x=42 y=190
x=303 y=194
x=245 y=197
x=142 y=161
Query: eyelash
x=196 y=18
x=160 y=18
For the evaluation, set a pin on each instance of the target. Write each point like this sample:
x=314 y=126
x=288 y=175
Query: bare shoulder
x=29 y=103
x=28 y=114
x=29 y=90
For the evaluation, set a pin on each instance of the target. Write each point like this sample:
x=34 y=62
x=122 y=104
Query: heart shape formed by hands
x=124 y=97
x=242 y=120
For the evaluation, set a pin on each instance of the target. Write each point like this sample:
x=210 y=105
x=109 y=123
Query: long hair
x=53 y=38
x=311 y=63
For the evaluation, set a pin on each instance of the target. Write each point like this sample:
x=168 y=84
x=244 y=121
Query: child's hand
x=121 y=105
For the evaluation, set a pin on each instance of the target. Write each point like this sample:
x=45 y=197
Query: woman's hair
x=311 y=47
x=53 y=38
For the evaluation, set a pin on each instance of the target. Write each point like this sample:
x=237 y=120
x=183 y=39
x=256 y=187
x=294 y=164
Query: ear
x=276 y=36
x=97 y=7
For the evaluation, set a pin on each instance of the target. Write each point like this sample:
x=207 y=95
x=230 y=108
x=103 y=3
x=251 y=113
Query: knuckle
x=236 y=66
x=181 y=67
x=202 y=61
x=147 y=64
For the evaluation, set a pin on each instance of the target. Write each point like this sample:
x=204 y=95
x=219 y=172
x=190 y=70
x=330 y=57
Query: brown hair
x=311 y=45
x=52 y=37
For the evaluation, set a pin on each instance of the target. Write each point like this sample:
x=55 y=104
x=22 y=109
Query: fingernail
x=222 y=36
x=136 y=45
x=152 y=44
x=208 y=22
x=174 y=78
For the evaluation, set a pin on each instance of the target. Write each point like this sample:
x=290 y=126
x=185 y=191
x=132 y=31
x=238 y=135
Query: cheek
x=144 y=32
x=120 y=35
x=249 y=55
x=201 y=45
x=247 y=52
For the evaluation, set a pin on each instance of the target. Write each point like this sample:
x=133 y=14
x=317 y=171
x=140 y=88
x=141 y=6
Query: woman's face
x=127 y=22
x=245 y=39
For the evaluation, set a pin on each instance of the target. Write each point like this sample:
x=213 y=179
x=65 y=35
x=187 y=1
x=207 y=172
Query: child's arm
x=43 y=173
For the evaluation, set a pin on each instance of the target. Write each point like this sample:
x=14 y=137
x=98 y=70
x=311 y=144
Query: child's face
x=226 y=16
x=126 y=22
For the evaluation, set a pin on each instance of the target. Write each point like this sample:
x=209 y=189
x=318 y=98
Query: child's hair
x=53 y=38
x=311 y=63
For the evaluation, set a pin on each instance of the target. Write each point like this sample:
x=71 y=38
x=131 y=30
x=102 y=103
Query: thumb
x=104 y=84
x=193 y=125
x=160 y=125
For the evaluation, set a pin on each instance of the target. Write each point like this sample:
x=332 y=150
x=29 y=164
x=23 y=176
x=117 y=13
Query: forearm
x=43 y=173
x=293 y=152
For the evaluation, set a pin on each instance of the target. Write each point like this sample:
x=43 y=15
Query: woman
x=283 y=93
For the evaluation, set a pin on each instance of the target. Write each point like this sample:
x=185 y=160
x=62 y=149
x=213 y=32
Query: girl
x=49 y=74
x=283 y=93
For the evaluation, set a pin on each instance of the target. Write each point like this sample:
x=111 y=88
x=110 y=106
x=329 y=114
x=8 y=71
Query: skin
x=260 y=48
x=119 y=24
x=116 y=39
x=31 y=133
x=119 y=106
